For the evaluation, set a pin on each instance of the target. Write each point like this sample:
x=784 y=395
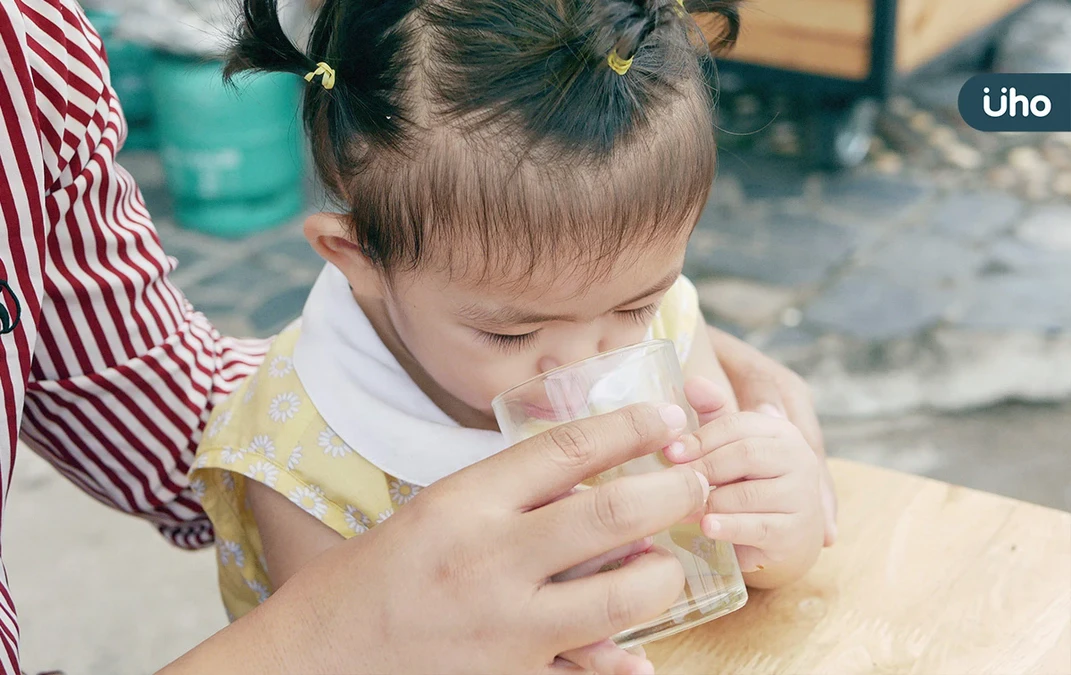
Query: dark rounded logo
x=10 y=309
x=1017 y=102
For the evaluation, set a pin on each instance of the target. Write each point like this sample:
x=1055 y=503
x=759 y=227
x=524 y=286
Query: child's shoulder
x=677 y=317
x=269 y=408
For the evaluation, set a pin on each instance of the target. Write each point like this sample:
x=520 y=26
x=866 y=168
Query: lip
x=541 y=413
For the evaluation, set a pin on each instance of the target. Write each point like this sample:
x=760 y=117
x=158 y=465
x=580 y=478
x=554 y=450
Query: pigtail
x=261 y=45
x=728 y=11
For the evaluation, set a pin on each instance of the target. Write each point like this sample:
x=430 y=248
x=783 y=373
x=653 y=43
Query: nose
x=577 y=350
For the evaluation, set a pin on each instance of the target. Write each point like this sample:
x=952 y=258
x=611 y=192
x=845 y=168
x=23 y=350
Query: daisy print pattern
x=295 y=459
x=357 y=521
x=198 y=488
x=250 y=390
x=383 y=516
x=229 y=455
x=280 y=366
x=310 y=499
x=218 y=424
x=401 y=492
x=228 y=480
x=263 y=472
x=231 y=550
x=262 y=445
x=283 y=407
x=260 y=589
x=333 y=444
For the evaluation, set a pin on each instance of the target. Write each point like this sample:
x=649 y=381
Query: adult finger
x=707 y=399
x=585 y=525
x=533 y=472
x=585 y=611
x=606 y=658
x=597 y=563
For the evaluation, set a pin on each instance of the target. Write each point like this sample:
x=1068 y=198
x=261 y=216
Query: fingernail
x=703 y=480
x=710 y=526
x=674 y=417
x=645 y=668
x=771 y=410
x=675 y=450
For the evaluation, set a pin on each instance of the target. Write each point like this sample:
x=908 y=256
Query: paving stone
x=874 y=197
x=1012 y=255
x=920 y=257
x=787 y=250
x=1049 y=227
x=976 y=215
x=746 y=303
x=247 y=274
x=764 y=177
x=867 y=304
x=1020 y=303
x=790 y=338
x=279 y=309
x=297 y=251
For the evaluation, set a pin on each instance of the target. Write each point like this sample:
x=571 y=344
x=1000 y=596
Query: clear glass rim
x=646 y=345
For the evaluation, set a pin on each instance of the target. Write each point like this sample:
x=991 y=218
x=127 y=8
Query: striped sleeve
x=109 y=374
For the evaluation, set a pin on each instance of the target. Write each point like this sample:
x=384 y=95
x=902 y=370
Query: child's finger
x=753 y=496
x=723 y=431
x=707 y=399
x=746 y=529
x=751 y=559
x=749 y=459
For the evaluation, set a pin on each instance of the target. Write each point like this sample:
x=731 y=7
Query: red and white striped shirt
x=110 y=372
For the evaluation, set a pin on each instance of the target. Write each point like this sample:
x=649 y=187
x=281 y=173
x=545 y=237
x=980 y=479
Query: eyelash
x=509 y=342
x=519 y=342
x=640 y=314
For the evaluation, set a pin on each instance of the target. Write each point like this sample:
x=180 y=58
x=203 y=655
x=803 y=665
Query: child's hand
x=765 y=495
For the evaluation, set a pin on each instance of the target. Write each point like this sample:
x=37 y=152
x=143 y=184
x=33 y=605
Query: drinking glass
x=646 y=372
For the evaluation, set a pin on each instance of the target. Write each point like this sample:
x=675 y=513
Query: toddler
x=521 y=179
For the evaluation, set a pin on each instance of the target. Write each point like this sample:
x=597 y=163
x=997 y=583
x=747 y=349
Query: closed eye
x=640 y=314
x=508 y=342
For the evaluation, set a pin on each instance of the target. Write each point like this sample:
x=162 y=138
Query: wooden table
x=926 y=578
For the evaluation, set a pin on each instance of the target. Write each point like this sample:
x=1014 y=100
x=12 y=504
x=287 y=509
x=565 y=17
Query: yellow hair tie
x=327 y=73
x=618 y=64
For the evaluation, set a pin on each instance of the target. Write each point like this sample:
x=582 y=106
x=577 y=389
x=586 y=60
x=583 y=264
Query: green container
x=129 y=64
x=232 y=156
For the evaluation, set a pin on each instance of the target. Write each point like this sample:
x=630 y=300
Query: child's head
x=522 y=176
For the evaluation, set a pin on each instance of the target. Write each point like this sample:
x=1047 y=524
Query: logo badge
x=1017 y=102
x=10 y=309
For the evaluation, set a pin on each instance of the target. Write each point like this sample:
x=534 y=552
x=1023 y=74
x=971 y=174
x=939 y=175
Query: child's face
x=477 y=340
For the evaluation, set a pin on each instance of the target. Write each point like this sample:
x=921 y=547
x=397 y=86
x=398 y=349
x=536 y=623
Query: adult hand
x=764 y=385
x=459 y=580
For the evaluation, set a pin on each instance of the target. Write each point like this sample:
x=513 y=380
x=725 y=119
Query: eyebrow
x=501 y=316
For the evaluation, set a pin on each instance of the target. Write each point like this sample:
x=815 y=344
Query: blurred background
x=916 y=272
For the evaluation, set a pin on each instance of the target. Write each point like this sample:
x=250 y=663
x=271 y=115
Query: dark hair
x=491 y=121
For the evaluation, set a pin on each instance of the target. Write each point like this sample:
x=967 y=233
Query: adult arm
x=108 y=372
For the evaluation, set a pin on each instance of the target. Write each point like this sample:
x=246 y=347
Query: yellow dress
x=269 y=431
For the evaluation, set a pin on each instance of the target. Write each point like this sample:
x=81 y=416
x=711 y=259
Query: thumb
x=707 y=399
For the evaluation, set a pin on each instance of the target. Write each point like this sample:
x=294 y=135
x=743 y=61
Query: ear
x=328 y=235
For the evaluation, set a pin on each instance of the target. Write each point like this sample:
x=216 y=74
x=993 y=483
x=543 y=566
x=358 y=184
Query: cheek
x=467 y=369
